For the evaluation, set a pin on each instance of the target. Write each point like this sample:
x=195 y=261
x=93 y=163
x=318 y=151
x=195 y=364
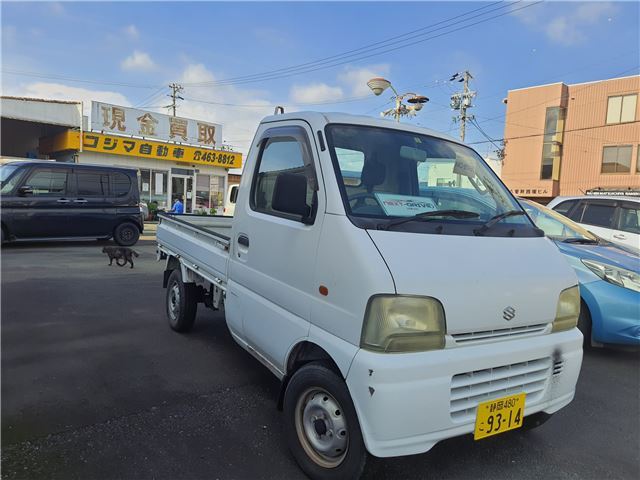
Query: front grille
x=500 y=334
x=471 y=388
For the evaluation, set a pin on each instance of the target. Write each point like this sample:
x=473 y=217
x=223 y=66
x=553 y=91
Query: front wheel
x=181 y=303
x=584 y=324
x=321 y=425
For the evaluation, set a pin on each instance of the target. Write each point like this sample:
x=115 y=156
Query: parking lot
x=95 y=385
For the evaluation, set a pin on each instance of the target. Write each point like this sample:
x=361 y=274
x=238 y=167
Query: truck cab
x=391 y=281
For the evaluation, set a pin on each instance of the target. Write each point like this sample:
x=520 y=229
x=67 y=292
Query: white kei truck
x=390 y=280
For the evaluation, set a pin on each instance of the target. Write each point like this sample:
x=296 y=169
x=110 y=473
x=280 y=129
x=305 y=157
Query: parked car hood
x=477 y=278
x=605 y=252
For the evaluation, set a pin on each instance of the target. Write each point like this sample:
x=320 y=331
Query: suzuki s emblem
x=509 y=313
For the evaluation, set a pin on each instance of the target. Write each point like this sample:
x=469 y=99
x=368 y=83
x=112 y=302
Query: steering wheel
x=359 y=198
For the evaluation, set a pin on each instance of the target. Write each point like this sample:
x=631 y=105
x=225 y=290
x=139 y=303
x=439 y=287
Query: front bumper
x=614 y=312
x=404 y=401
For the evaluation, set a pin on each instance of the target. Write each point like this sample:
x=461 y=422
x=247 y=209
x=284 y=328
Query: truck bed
x=200 y=242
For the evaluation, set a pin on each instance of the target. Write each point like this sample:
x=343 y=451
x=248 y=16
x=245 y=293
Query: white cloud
x=138 y=61
x=132 y=32
x=238 y=110
x=56 y=8
x=566 y=23
x=57 y=91
x=315 y=93
x=355 y=79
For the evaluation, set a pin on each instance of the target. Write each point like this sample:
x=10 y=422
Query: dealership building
x=573 y=139
x=174 y=156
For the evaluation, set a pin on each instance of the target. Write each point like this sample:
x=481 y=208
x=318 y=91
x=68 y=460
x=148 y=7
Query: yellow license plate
x=499 y=415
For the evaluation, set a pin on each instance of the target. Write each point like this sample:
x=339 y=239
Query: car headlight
x=568 y=309
x=403 y=323
x=618 y=276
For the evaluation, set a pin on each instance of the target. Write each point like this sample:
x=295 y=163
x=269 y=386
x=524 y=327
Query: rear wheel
x=584 y=324
x=321 y=425
x=126 y=234
x=181 y=303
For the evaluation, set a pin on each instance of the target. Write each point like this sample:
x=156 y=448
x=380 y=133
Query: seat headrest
x=373 y=174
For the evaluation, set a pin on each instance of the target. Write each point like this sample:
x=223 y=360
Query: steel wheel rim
x=126 y=234
x=321 y=427
x=174 y=302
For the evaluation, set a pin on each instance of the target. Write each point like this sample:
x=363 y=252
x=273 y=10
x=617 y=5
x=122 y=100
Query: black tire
x=584 y=324
x=4 y=235
x=319 y=409
x=126 y=234
x=181 y=303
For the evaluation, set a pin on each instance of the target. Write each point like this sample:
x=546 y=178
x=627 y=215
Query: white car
x=614 y=218
x=389 y=279
x=230 y=200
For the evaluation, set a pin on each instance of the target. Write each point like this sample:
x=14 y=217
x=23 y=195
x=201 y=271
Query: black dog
x=124 y=254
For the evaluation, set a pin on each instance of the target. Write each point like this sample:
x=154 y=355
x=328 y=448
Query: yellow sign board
x=141 y=148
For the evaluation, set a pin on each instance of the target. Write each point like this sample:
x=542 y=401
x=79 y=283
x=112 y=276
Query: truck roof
x=336 y=117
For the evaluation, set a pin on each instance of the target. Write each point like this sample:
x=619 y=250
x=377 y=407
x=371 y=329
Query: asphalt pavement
x=96 y=386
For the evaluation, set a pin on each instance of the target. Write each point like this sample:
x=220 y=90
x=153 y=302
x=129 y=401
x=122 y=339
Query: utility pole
x=461 y=101
x=174 y=95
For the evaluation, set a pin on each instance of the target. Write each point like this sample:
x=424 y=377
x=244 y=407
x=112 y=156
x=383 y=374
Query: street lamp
x=379 y=85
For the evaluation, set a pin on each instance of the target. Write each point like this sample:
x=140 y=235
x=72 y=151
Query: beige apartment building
x=573 y=139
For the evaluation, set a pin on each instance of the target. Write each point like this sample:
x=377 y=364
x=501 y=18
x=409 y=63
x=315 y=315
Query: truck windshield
x=387 y=174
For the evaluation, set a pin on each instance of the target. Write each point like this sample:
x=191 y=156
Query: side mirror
x=25 y=190
x=290 y=195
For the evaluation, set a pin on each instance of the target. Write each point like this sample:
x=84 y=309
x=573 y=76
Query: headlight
x=399 y=323
x=568 y=310
x=617 y=276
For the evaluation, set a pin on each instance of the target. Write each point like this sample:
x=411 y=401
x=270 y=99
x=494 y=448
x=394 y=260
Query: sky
x=238 y=60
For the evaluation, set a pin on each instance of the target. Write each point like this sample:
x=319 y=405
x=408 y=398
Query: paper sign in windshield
x=404 y=205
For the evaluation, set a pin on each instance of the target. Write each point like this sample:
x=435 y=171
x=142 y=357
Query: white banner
x=131 y=121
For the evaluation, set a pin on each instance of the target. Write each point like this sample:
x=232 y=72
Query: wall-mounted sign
x=106 y=117
x=142 y=148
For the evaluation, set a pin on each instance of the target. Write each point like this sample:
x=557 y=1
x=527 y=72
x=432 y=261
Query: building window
x=616 y=159
x=622 y=108
x=203 y=192
x=551 y=147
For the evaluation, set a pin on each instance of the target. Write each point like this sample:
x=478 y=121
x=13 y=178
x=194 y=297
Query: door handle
x=80 y=200
x=619 y=236
x=243 y=240
x=63 y=200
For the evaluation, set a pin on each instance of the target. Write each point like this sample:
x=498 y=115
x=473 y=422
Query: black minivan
x=47 y=199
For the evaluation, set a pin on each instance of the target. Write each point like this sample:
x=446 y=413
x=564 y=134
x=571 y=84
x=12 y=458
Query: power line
x=565 y=131
x=362 y=57
x=350 y=53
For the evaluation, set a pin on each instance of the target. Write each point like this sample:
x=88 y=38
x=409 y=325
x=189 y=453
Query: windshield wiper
x=425 y=216
x=495 y=219
x=585 y=241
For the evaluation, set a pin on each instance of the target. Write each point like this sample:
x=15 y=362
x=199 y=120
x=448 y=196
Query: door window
x=598 y=214
x=48 y=182
x=92 y=184
x=629 y=220
x=564 y=207
x=280 y=154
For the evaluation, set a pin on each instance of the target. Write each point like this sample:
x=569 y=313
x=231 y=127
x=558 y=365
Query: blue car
x=609 y=277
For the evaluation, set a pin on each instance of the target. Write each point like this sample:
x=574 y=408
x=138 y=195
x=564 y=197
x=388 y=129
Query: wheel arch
x=588 y=301
x=302 y=353
x=126 y=220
